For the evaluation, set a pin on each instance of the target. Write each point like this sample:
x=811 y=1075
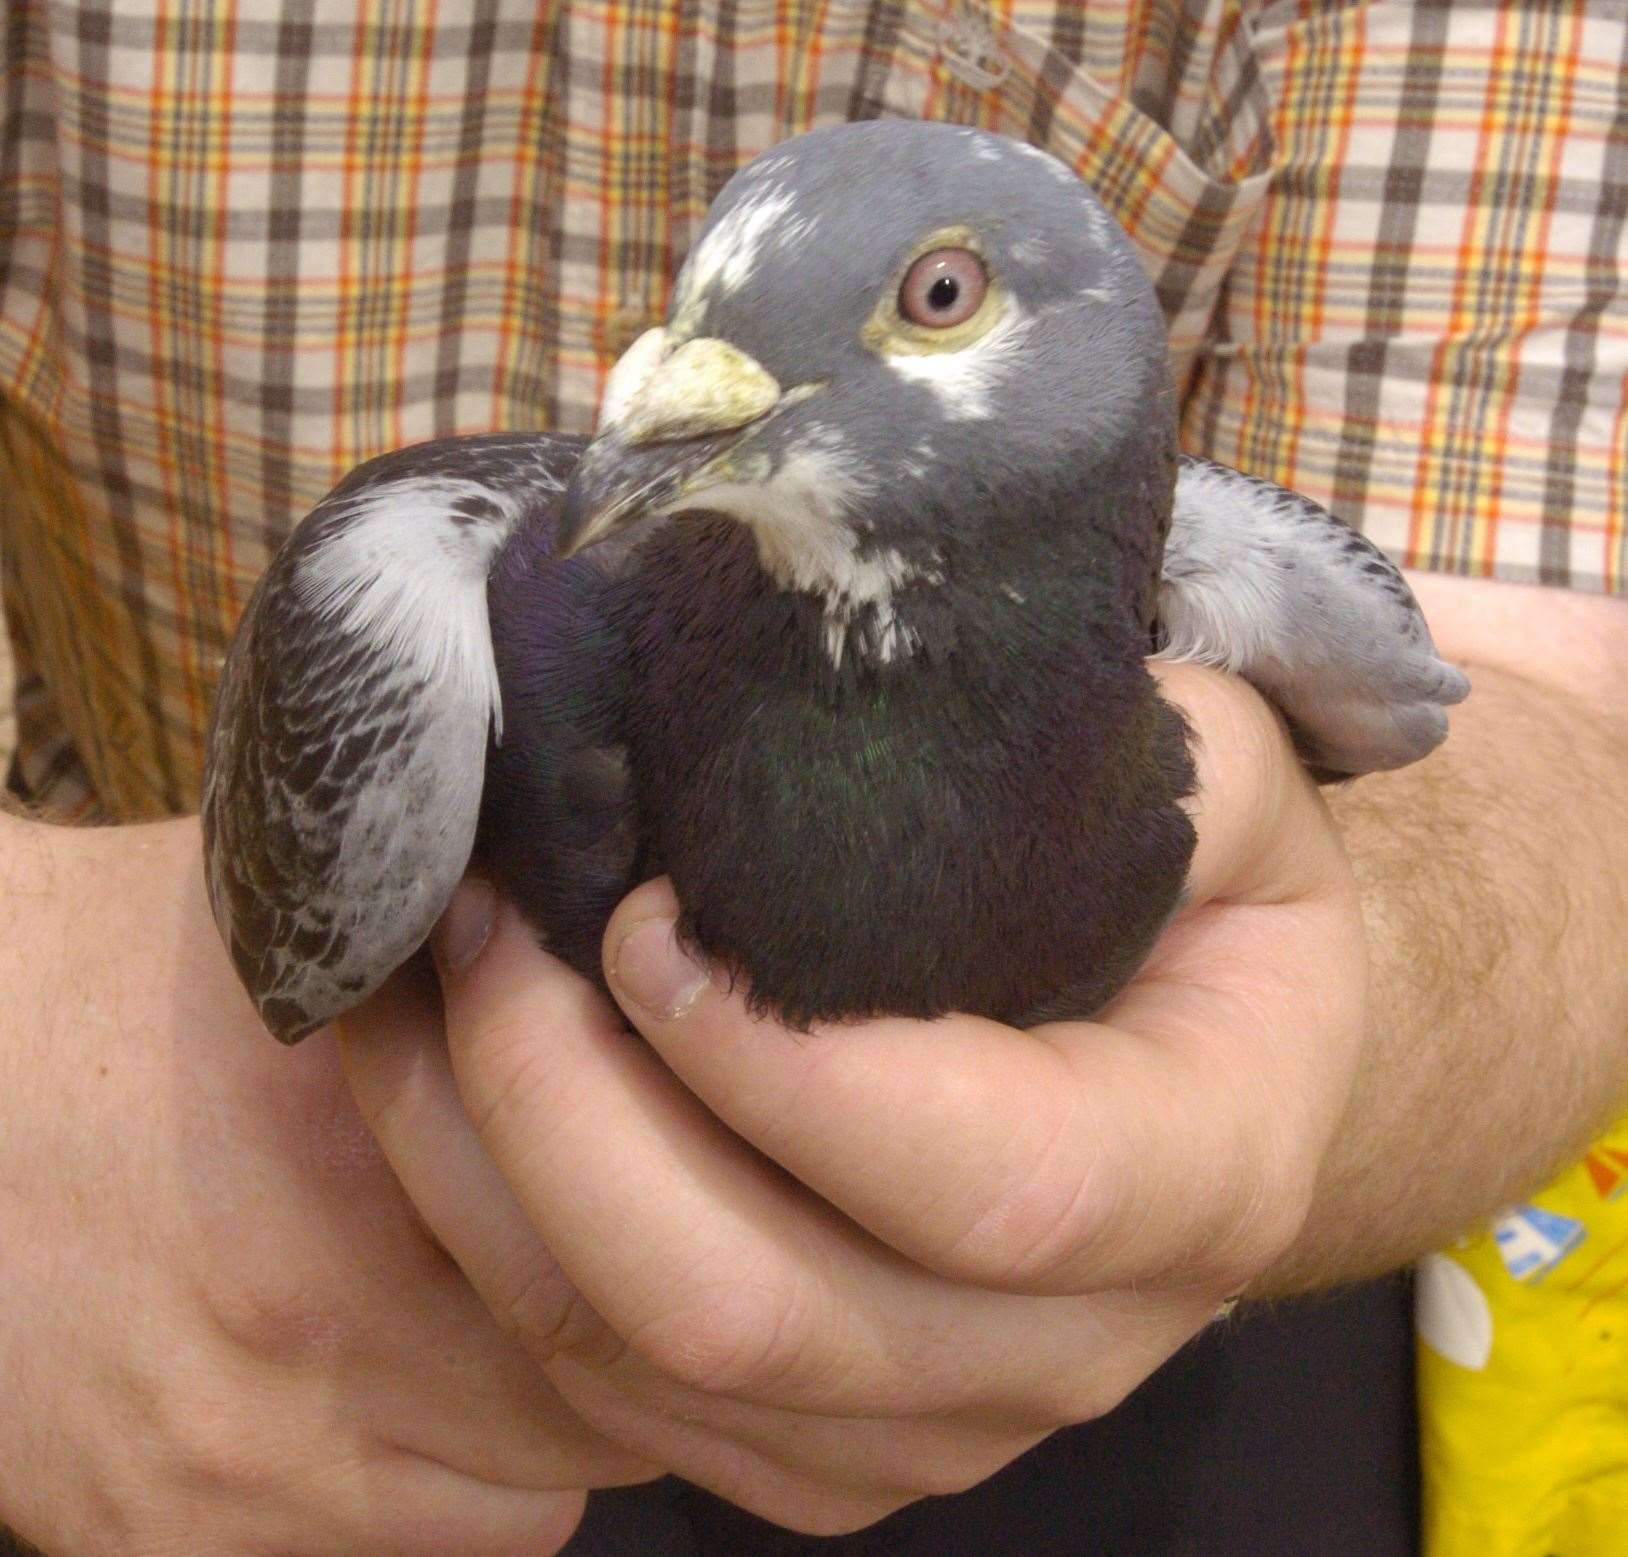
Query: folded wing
x=1261 y=581
x=347 y=752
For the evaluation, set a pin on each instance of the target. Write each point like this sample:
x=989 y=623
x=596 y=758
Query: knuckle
x=527 y=1292
x=554 y=1523
x=217 y=1432
x=1030 y=1235
x=226 y=1455
x=1276 y=1178
x=513 y=1073
x=940 y=1475
x=276 y=1322
x=427 y=1526
x=1029 y=1240
x=1101 y=1381
x=944 y=1480
x=209 y=1447
x=1070 y=1398
x=726 y=1339
x=1265 y=1231
x=1091 y=1399
x=550 y=1318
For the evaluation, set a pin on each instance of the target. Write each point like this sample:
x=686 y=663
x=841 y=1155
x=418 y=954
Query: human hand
x=825 y=1274
x=224 y=1327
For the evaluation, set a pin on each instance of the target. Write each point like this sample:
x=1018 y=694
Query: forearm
x=39 y=873
x=1495 y=888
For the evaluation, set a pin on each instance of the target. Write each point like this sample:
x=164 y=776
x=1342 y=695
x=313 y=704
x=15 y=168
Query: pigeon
x=842 y=619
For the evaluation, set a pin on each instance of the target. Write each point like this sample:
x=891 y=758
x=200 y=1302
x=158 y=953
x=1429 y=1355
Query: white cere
x=631 y=373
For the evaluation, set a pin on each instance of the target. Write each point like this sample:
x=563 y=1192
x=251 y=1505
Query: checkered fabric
x=245 y=244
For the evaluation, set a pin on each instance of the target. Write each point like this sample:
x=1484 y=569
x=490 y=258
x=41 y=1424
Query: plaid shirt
x=245 y=244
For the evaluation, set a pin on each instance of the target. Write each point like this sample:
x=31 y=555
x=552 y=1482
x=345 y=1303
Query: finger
x=818 y=1475
x=1076 y=1157
x=911 y=1456
x=395 y=1061
x=714 y=1267
x=328 y=1488
x=1258 y=817
x=803 y=1491
x=380 y=1505
x=1097 y=1132
x=426 y=1510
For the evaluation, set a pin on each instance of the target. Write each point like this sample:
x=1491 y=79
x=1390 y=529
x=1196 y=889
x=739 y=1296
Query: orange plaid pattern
x=245 y=244
x=1427 y=326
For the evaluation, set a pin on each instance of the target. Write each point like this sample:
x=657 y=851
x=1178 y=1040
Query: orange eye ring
x=943 y=288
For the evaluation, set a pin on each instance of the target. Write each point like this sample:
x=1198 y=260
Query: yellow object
x=1523 y=1374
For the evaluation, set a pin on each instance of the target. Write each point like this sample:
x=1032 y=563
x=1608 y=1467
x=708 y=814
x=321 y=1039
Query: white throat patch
x=798 y=516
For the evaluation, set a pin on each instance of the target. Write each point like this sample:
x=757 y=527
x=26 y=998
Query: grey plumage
x=1263 y=582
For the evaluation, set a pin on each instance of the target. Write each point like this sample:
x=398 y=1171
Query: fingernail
x=466 y=925
x=654 y=971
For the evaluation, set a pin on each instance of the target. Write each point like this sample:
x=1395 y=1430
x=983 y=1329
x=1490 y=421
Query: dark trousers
x=1286 y=1430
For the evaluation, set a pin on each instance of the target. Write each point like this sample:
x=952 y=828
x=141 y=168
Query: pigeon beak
x=615 y=485
x=666 y=416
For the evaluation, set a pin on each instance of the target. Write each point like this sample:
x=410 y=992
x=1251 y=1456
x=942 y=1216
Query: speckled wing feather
x=1263 y=582
x=346 y=756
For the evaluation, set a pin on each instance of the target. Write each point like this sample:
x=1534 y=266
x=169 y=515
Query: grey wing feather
x=1261 y=581
x=343 y=781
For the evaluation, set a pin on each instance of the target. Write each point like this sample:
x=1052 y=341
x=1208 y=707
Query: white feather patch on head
x=1030 y=249
x=728 y=252
x=408 y=576
x=963 y=381
x=1053 y=164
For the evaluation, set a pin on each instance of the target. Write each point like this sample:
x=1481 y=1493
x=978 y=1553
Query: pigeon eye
x=943 y=288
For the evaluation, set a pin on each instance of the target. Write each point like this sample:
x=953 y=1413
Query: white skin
x=226 y=1329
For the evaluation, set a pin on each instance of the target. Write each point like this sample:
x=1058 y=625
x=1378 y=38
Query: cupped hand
x=225 y=1329
x=824 y=1274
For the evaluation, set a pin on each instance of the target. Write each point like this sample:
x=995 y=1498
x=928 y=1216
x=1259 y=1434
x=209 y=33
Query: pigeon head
x=901 y=354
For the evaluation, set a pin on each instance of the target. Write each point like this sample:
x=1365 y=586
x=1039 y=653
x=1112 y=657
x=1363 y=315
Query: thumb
x=465 y=927
x=429 y=1090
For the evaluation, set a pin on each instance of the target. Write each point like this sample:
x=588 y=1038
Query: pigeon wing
x=346 y=754
x=1261 y=581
